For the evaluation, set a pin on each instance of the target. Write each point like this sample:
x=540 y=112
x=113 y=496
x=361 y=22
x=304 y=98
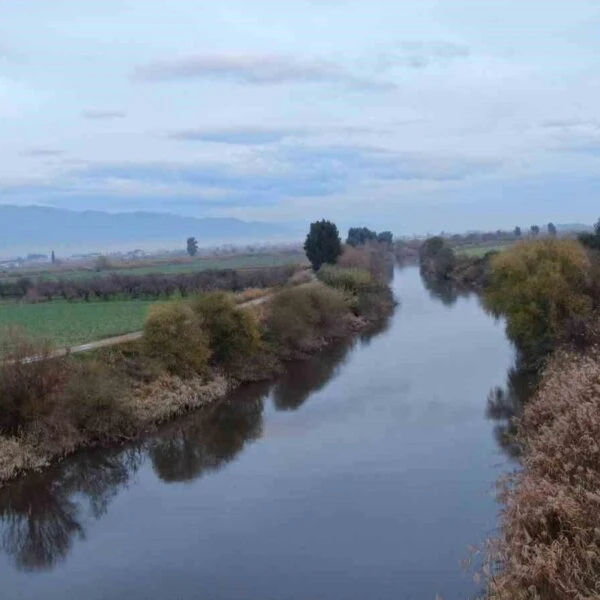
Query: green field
x=478 y=251
x=68 y=324
x=200 y=264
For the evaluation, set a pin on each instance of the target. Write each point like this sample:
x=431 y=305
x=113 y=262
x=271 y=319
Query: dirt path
x=136 y=335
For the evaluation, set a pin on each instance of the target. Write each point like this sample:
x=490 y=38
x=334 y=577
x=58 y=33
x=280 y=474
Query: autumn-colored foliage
x=173 y=334
x=549 y=548
x=540 y=286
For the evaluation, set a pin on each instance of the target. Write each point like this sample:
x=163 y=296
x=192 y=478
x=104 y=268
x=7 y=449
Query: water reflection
x=505 y=405
x=304 y=378
x=208 y=440
x=42 y=514
x=442 y=290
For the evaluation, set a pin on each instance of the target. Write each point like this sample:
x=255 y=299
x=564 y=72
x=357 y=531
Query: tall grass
x=550 y=543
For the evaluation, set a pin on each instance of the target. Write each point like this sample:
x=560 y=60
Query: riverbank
x=549 y=545
x=192 y=354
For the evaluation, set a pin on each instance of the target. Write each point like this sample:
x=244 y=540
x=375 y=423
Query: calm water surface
x=363 y=474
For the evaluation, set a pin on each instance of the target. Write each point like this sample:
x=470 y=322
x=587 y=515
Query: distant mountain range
x=37 y=228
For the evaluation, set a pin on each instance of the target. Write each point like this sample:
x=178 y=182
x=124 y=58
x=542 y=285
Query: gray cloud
x=265 y=69
x=103 y=114
x=236 y=135
x=419 y=55
x=569 y=123
x=42 y=152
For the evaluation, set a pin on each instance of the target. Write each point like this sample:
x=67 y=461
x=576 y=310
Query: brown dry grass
x=550 y=543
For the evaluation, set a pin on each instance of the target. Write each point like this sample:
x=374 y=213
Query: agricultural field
x=182 y=265
x=68 y=324
x=480 y=250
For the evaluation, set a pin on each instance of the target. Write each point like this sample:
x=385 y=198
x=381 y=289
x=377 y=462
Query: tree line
x=150 y=286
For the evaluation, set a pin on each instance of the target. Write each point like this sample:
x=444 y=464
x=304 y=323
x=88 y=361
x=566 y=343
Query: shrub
x=233 y=333
x=353 y=281
x=174 y=335
x=540 y=286
x=371 y=258
x=93 y=400
x=298 y=318
x=26 y=385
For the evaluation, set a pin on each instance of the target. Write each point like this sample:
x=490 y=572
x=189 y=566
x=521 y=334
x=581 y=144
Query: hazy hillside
x=35 y=228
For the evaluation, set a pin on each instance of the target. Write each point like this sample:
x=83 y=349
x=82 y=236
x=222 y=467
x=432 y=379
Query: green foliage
x=300 y=317
x=174 y=335
x=323 y=244
x=385 y=237
x=359 y=236
x=535 y=230
x=552 y=230
x=192 y=246
x=233 y=333
x=518 y=232
x=437 y=258
x=351 y=280
x=540 y=286
x=102 y=263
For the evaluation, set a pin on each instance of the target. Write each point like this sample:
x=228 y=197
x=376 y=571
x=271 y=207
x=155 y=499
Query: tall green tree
x=323 y=244
x=535 y=230
x=552 y=229
x=192 y=246
x=518 y=232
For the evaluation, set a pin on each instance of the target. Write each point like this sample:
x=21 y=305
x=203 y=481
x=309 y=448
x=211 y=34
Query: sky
x=411 y=116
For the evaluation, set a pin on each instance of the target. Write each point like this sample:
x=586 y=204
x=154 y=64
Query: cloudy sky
x=414 y=116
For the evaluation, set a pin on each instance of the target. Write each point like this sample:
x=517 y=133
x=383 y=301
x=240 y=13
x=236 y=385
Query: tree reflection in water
x=206 y=441
x=505 y=405
x=41 y=514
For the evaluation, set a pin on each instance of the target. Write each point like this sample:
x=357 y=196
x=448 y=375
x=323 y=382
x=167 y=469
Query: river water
x=365 y=473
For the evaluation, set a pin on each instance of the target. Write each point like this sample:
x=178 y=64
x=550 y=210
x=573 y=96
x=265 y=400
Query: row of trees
x=150 y=286
x=534 y=230
x=323 y=243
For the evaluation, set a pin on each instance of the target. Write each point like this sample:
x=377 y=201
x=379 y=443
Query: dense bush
x=298 y=318
x=351 y=280
x=93 y=400
x=26 y=386
x=437 y=258
x=233 y=333
x=174 y=335
x=540 y=286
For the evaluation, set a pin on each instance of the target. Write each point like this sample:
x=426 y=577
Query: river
x=364 y=473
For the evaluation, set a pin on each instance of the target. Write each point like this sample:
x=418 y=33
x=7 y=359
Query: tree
x=323 y=244
x=518 y=232
x=535 y=230
x=540 y=286
x=102 y=263
x=359 y=236
x=192 y=246
x=385 y=237
x=53 y=257
x=552 y=229
x=591 y=240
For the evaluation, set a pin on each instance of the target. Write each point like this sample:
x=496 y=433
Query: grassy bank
x=194 y=350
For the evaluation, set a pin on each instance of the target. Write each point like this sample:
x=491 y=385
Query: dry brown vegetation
x=550 y=543
x=193 y=351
